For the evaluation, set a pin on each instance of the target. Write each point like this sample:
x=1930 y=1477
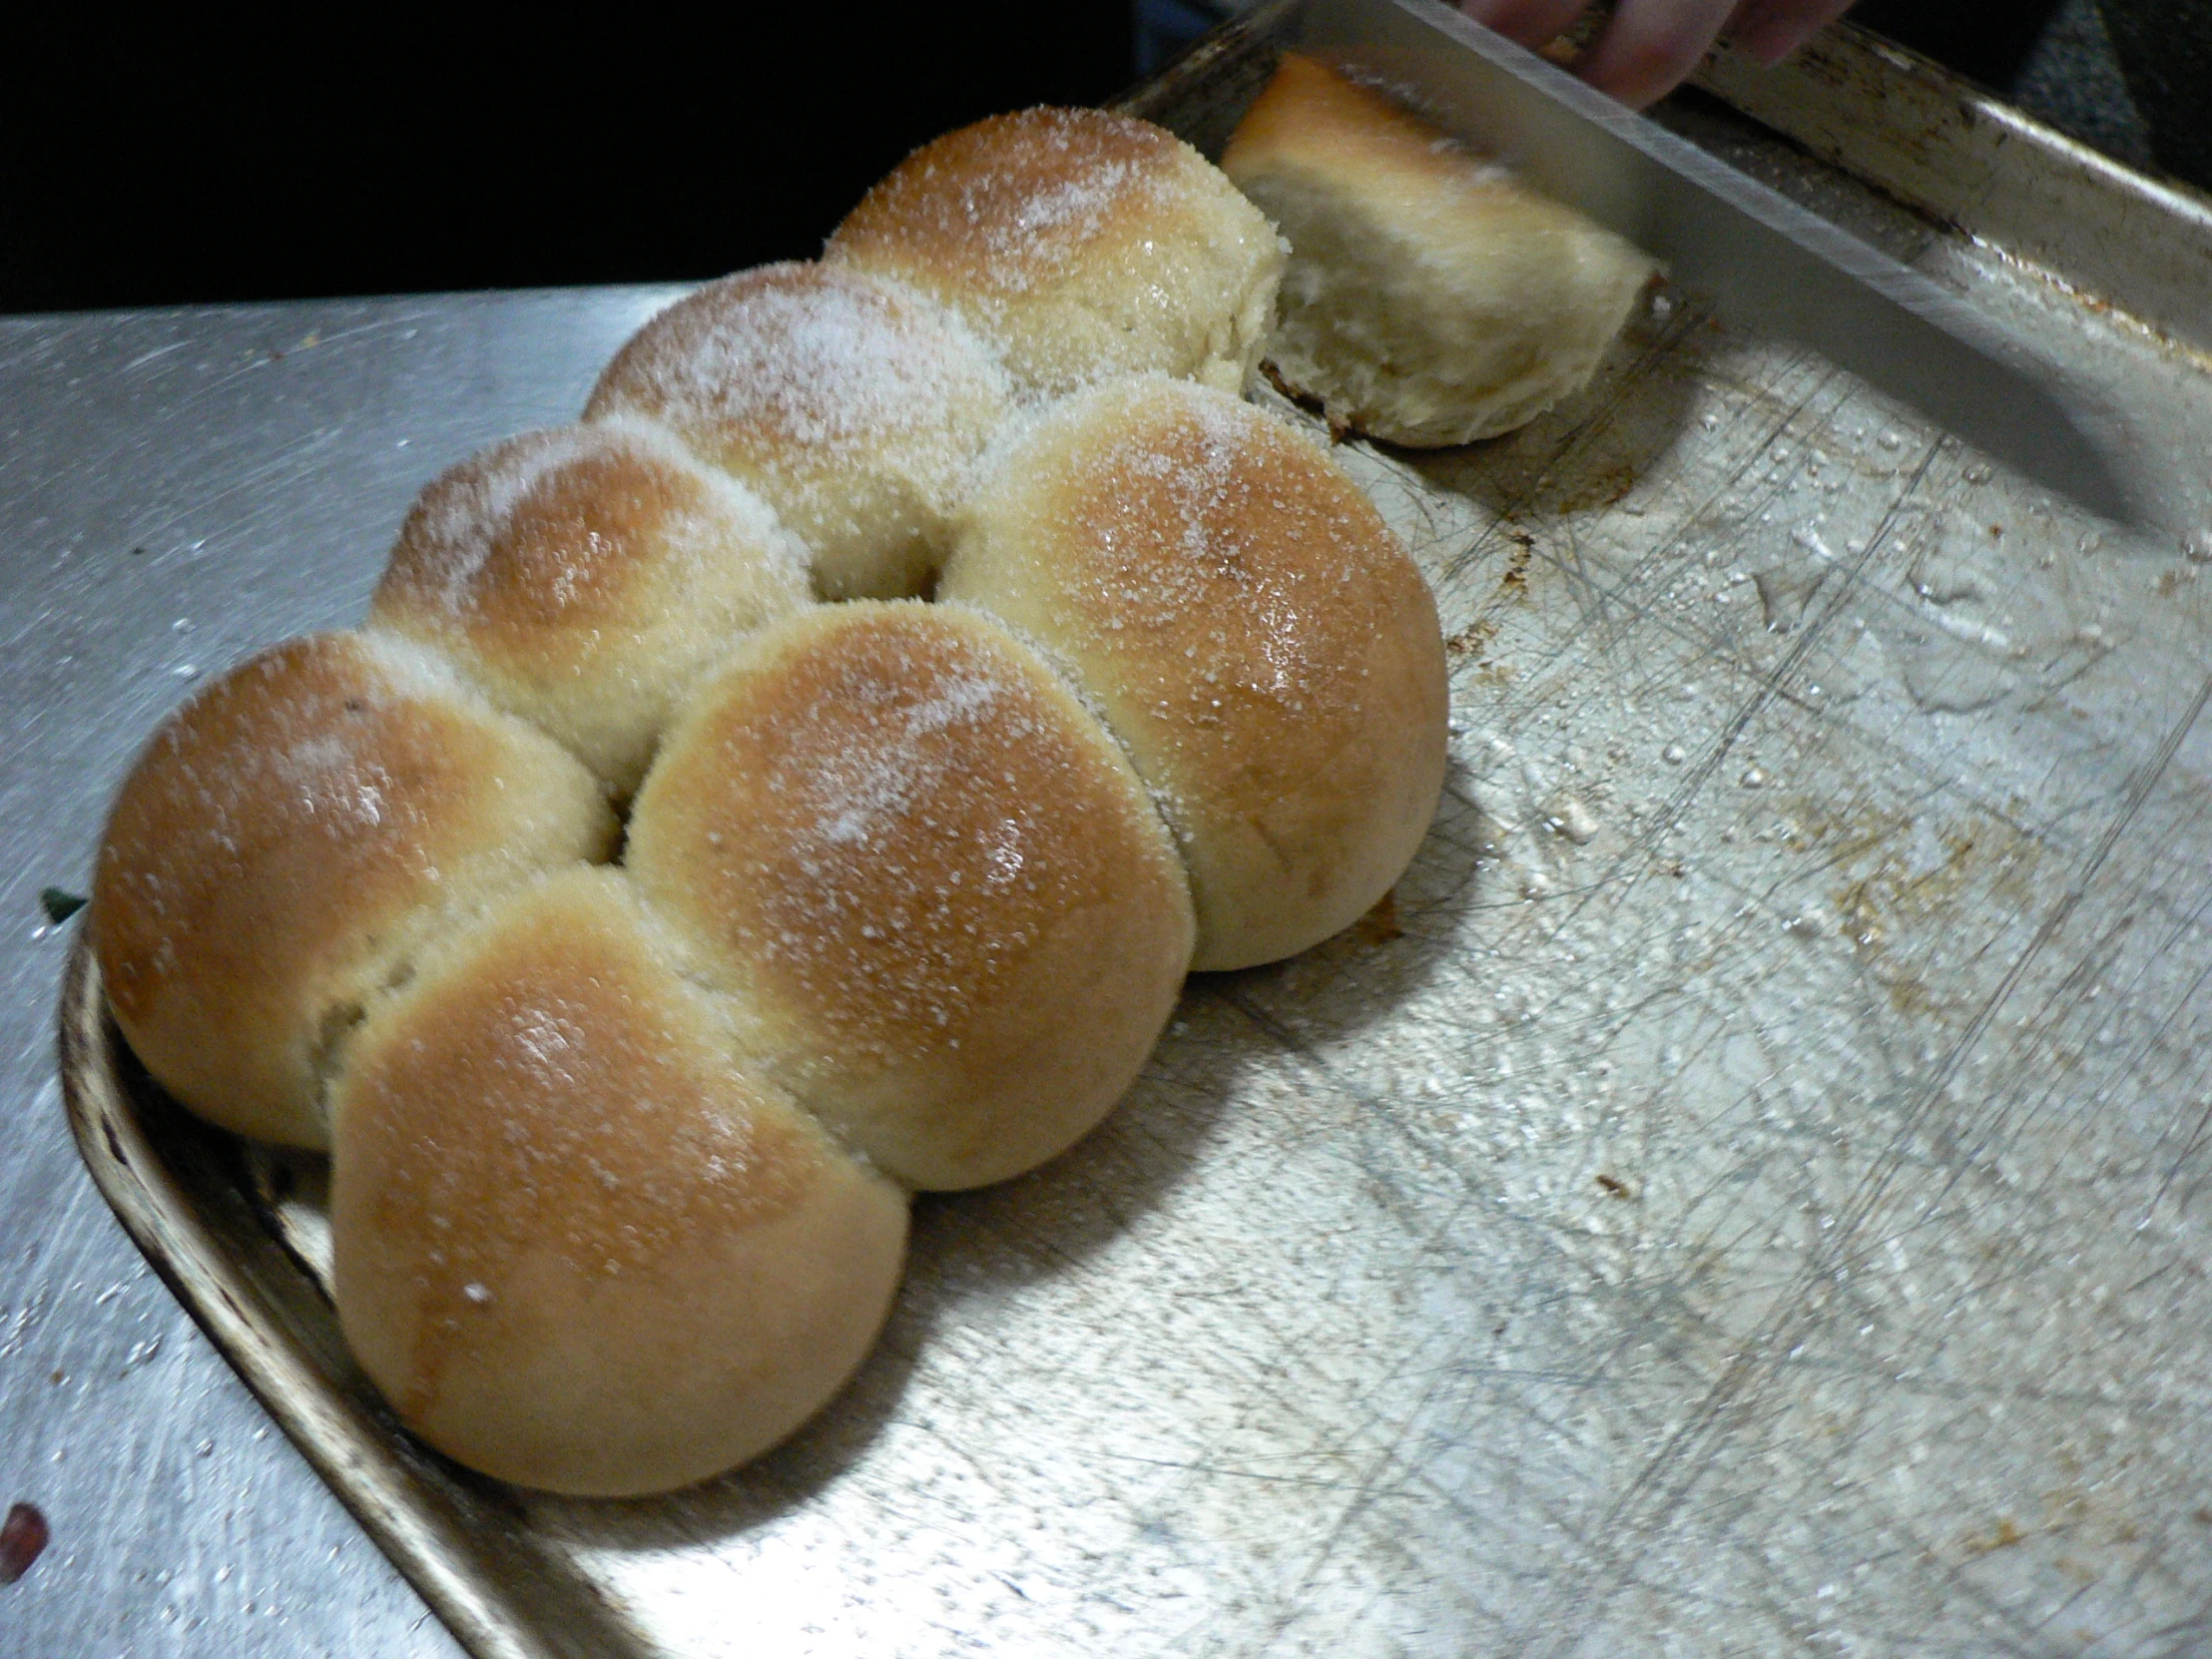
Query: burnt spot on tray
x=22 y=1540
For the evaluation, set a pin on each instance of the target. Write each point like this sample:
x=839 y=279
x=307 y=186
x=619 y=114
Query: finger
x=1532 y=23
x=1652 y=45
x=1771 y=31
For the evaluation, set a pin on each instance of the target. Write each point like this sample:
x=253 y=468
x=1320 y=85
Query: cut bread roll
x=573 y=1245
x=1429 y=300
x=290 y=841
x=853 y=405
x=1081 y=244
x=584 y=578
x=1250 y=629
x=952 y=914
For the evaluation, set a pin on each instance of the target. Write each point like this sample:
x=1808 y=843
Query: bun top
x=794 y=358
x=548 y=531
x=583 y=577
x=910 y=851
x=851 y=405
x=575 y=1244
x=1250 y=627
x=1081 y=244
x=285 y=839
x=1014 y=202
x=642 y=1138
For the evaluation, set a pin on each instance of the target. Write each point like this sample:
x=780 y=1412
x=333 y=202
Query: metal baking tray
x=1747 y=1193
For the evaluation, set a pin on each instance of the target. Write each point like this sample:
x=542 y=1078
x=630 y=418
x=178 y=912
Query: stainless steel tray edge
x=178 y=1188
x=1969 y=160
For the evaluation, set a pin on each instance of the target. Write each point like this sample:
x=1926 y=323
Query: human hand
x=1649 y=46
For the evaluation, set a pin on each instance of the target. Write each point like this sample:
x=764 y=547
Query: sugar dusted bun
x=954 y=917
x=575 y=1245
x=853 y=405
x=1251 y=630
x=288 y=842
x=907 y=889
x=1081 y=244
x=584 y=577
x=1428 y=299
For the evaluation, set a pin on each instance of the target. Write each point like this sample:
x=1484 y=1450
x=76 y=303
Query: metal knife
x=1772 y=266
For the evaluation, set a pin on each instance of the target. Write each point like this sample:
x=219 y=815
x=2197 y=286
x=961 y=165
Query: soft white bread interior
x=584 y=577
x=575 y=1245
x=286 y=843
x=954 y=918
x=1429 y=300
x=1251 y=630
x=1082 y=244
x=853 y=405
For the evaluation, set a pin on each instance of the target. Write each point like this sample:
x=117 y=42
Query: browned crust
x=932 y=874
x=276 y=840
x=584 y=577
x=1009 y=203
x=796 y=368
x=543 y=1144
x=1310 y=116
x=550 y=533
x=1252 y=630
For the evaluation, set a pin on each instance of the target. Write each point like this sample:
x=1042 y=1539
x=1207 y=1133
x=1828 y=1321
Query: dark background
x=2131 y=77
x=179 y=161
x=182 y=160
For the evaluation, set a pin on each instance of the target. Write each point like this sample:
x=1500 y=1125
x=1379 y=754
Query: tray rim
x=1964 y=177
x=343 y=1446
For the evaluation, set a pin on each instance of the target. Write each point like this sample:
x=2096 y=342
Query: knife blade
x=1769 y=264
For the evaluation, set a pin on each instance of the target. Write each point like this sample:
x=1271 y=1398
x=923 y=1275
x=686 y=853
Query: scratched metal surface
x=1748 y=1200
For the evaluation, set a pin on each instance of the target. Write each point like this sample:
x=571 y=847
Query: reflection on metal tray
x=1744 y=1196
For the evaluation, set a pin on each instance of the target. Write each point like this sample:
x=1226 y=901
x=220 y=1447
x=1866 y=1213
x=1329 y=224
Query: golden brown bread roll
x=1429 y=300
x=584 y=577
x=1081 y=244
x=1248 y=627
x=954 y=917
x=853 y=405
x=573 y=1245
x=286 y=845
x=614 y=1156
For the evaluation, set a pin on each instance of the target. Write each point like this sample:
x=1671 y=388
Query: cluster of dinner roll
x=806 y=780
